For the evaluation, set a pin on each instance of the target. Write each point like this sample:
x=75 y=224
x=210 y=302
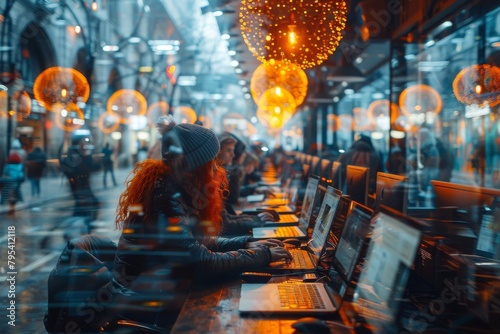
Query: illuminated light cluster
x=302 y=32
x=108 y=122
x=478 y=84
x=60 y=85
x=274 y=73
x=380 y=113
x=184 y=115
x=156 y=110
x=276 y=107
x=68 y=117
x=4 y=98
x=21 y=104
x=125 y=103
x=420 y=99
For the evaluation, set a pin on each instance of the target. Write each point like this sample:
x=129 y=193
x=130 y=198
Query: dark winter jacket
x=35 y=164
x=170 y=240
x=362 y=153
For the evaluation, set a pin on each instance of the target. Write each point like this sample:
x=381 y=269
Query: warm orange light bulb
x=64 y=92
x=94 y=5
x=292 y=35
x=478 y=89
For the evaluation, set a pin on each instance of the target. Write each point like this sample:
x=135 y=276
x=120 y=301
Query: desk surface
x=214 y=309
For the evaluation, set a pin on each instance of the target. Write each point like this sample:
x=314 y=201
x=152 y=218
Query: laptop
x=390 y=256
x=313 y=198
x=311 y=298
x=308 y=258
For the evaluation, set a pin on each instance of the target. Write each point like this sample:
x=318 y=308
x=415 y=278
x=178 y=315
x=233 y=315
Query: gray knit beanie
x=198 y=145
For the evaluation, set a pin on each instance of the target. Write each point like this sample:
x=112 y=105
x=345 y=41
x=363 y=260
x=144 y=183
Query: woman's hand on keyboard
x=266 y=217
x=280 y=253
x=267 y=242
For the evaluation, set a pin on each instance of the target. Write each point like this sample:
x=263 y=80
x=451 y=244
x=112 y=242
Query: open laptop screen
x=312 y=186
x=391 y=253
x=326 y=213
x=351 y=241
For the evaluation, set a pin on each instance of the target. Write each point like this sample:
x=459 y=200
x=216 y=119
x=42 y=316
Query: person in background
x=233 y=224
x=36 y=162
x=423 y=163
x=107 y=164
x=12 y=178
x=363 y=153
x=17 y=147
x=181 y=208
x=76 y=165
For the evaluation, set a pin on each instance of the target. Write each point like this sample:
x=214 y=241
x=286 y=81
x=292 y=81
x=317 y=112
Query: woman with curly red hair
x=177 y=203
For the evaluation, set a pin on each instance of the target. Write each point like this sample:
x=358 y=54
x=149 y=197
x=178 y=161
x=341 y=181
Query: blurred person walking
x=107 y=164
x=36 y=162
x=12 y=178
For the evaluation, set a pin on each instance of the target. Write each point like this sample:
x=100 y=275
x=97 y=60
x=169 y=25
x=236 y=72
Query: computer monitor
x=488 y=238
x=315 y=207
x=325 y=216
x=336 y=174
x=462 y=196
x=392 y=191
x=351 y=242
x=324 y=171
x=308 y=199
x=390 y=256
x=357 y=178
x=314 y=165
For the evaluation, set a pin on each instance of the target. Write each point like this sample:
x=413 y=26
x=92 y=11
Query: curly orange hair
x=140 y=185
x=204 y=184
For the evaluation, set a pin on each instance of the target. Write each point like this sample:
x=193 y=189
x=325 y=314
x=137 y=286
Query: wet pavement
x=35 y=236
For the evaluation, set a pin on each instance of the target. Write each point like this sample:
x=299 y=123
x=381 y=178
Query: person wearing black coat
x=36 y=162
x=171 y=214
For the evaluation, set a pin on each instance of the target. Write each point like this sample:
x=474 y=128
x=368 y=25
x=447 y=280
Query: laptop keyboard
x=300 y=296
x=286 y=231
x=288 y=218
x=301 y=259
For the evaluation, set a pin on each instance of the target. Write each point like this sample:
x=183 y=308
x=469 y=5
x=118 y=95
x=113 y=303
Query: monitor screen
x=462 y=196
x=312 y=186
x=315 y=207
x=488 y=238
x=391 y=253
x=324 y=220
x=325 y=172
x=357 y=178
x=338 y=222
x=314 y=165
x=392 y=191
x=336 y=174
x=352 y=239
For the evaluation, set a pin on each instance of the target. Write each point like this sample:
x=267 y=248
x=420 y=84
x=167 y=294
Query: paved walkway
x=56 y=187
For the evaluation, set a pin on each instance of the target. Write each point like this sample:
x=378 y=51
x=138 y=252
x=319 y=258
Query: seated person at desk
x=185 y=188
x=232 y=224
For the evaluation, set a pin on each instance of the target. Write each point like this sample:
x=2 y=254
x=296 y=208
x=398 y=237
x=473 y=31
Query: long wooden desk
x=214 y=309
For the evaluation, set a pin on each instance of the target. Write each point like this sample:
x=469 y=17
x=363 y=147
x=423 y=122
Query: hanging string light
x=155 y=110
x=125 y=103
x=68 y=117
x=108 y=122
x=276 y=107
x=60 y=85
x=478 y=84
x=185 y=115
x=21 y=104
x=419 y=100
x=302 y=32
x=272 y=74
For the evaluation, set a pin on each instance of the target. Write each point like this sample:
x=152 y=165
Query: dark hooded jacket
x=362 y=153
x=171 y=238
